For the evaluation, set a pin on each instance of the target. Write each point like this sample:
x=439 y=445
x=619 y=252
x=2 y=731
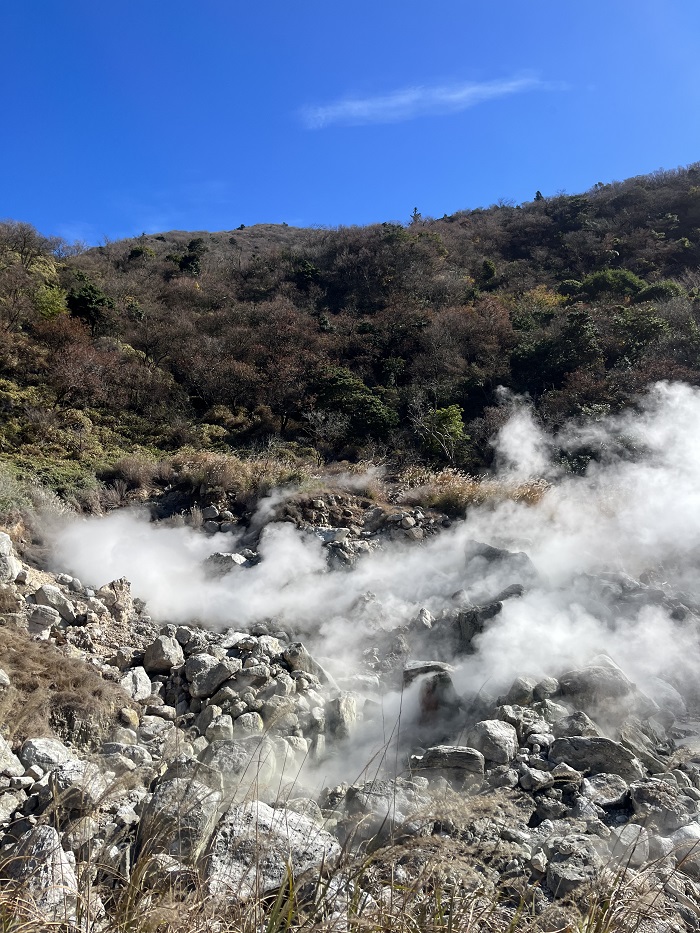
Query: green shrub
x=613 y=282
x=659 y=291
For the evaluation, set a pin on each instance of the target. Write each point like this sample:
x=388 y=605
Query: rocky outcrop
x=210 y=776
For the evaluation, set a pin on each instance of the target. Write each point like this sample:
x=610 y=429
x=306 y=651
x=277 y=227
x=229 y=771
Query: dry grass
x=453 y=492
x=50 y=692
x=239 y=476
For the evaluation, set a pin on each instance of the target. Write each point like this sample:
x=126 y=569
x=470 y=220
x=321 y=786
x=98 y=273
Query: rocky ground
x=206 y=772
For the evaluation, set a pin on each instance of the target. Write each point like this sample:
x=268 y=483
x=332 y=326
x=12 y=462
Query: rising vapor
x=636 y=511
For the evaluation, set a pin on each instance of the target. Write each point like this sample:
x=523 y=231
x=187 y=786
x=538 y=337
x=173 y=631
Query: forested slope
x=383 y=341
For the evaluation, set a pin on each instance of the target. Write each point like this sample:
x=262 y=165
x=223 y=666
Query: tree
x=441 y=430
x=89 y=303
x=339 y=390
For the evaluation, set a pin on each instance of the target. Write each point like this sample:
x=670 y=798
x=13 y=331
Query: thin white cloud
x=411 y=102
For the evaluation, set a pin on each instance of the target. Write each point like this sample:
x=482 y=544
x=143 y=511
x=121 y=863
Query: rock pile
x=210 y=775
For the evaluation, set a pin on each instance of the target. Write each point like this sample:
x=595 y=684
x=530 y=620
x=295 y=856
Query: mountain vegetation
x=386 y=342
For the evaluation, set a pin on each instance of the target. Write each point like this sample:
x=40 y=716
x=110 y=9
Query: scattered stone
x=52 y=597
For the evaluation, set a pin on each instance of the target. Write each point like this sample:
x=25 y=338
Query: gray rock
x=179 y=819
x=77 y=785
x=46 y=753
x=221 y=563
x=41 y=620
x=298 y=659
x=546 y=688
x=449 y=757
x=341 y=715
x=45 y=872
x=254 y=845
x=533 y=779
x=10 y=567
x=596 y=755
x=51 y=596
x=666 y=697
x=10 y=802
x=496 y=740
x=248 y=724
x=521 y=691
x=137 y=684
x=163 y=655
x=575 y=724
x=629 y=845
x=10 y=765
x=605 y=790
x=186 y=767
x=572 y=862
x=686 y=848
x=205 y=673
x=221 y=729
x=593 y=683
x=493 y=565
x=661 y=806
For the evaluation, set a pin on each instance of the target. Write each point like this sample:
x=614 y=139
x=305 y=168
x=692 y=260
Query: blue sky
x=150 y=115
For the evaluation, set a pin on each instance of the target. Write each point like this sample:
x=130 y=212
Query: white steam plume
x=636 y=509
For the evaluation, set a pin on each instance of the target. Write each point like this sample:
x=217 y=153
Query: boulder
x=41 y=620
x=137 y=684
x=45 y=873
x=77 y=785
x=44 y=752
x=495 y=566
x=605 y=790
x=205 y=673
x=163 y=655
x=341 y=715
x=449 y=757
x=9 y=565
x=496 y=740
x=576 y=724
x=10 y=765
x=661 y=806
x=596 y=754
x=572 y=861
x=629 y=845
x=255 y=847
x=179 y=819
x=51 y=596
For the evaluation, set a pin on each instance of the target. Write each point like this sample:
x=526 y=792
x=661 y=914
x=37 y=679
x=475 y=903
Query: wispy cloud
x=418 y=101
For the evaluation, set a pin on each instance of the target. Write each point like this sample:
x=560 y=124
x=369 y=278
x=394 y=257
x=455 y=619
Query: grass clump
x=452 y=491
x=50 y=692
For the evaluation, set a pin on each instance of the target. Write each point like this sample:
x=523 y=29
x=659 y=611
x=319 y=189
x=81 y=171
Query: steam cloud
x=636 y=510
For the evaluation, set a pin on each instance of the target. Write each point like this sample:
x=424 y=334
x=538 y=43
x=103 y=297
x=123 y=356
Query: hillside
x=388 y=342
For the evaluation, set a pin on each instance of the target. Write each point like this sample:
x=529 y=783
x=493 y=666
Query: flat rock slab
x=453 y=757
